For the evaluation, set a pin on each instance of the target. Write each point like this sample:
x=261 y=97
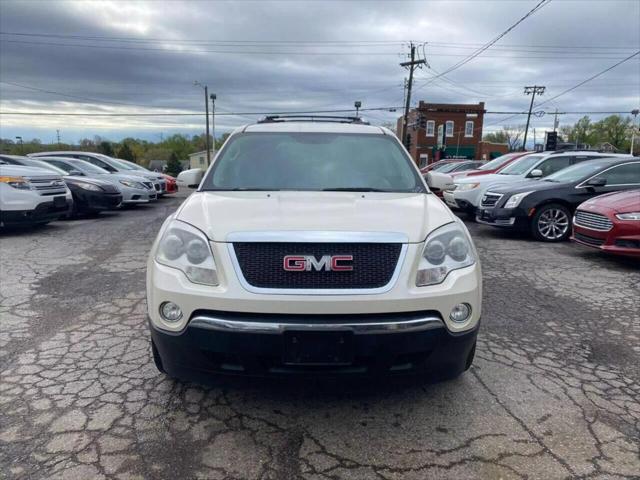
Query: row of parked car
x=588 y=196
x=42 y=187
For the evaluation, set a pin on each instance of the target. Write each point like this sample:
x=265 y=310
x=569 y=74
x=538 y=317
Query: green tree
x=126 y=153
x=105 y=148
x=174 y=167
x=220 y=141
x=511 y=135
x=613 y=129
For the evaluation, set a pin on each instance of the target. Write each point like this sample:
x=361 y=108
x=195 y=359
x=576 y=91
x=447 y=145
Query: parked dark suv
x=545 y=207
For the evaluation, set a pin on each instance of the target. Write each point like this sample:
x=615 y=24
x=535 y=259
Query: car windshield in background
x=87 y=167
x=122 y=164
x=520 y=166
x=447 y=167
x=313 y=161
x=496 y=163
x=575 y=172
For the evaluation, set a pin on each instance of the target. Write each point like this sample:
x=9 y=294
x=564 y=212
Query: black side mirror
x=597 y=182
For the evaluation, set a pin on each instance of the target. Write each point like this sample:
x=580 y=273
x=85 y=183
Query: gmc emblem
x=328 y=263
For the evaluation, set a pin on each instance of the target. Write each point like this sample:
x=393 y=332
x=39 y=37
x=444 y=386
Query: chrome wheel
x=553 y=224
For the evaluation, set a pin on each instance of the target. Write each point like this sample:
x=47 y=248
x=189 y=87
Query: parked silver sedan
x=134 y=189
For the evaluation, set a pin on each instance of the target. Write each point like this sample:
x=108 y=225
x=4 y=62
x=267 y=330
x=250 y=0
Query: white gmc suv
x=313 y=247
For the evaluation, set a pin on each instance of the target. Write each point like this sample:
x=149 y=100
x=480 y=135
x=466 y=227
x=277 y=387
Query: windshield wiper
x=354 y=189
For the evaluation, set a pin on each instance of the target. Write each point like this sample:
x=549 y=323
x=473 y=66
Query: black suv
x=545 y=207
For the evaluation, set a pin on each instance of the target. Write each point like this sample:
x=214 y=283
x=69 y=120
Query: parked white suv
x=313 y=248
x=468 y=191
x=31 y=195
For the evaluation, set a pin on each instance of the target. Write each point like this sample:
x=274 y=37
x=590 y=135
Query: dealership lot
x=554 y=391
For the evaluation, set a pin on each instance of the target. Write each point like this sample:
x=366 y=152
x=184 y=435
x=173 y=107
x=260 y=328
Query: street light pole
x=21 y=144
x=357 y=104
x=213 y=118
x=206 y=113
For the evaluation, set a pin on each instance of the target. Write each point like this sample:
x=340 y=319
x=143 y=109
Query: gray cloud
x=162 y=75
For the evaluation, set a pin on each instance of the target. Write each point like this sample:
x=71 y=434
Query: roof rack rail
x=312 y=118
x=574 y=150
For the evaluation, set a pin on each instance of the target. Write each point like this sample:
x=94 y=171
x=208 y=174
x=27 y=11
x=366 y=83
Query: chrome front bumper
x=409 y=323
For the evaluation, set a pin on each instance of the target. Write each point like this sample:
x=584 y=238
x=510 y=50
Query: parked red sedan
x=610 y=223
x=172 y=185
x=491 y=167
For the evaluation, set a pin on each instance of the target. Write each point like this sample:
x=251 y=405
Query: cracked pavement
x=554 y=391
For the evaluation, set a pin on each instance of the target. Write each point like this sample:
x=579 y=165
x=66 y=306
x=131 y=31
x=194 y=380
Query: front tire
x=551 y=223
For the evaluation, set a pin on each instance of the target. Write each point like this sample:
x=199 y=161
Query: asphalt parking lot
x=554 y=391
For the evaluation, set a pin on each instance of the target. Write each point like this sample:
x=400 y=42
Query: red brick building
x=459 y=126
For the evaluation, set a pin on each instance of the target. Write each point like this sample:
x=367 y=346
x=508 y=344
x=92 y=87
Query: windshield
x=447 y=167
x=313 y=161
x=575 y=172
x=131 y=165
x=121 y=164
x=520 y=166
x=45 y=165
x=496 y=163
x=87 y=167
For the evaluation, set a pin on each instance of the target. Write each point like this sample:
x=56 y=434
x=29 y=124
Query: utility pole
x=58 y=137
x=206 y=113
x=357 y=104
x=530 y=91
x=555 y=121
x=635 y=113
x=213 y=118
x=412 y=65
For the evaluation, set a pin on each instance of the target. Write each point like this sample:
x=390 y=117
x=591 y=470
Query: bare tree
x=511 y=135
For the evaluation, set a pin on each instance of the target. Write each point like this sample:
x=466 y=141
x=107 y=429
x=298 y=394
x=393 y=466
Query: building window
x=431 y=128
x=468 y=129
x=201 y=160
x=449 y=128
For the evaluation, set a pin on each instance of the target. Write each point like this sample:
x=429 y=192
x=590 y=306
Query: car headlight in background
x=466 y=186
x=131 y=184
x=89 y=186
x=187 y=249
x=20 y=183
x=628 y=216
x=448 y=248
x=514 y=200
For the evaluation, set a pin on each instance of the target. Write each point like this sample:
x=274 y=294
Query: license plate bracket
x=317 y=348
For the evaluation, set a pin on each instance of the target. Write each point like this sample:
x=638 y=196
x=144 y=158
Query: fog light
x=460 y=313
x=170 y=312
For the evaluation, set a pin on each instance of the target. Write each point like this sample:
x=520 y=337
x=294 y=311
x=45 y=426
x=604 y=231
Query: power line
x=303 y=43
x=292 y=52
x=487 y=45
x=79 y=97
x=590 y=78
x=346 y=110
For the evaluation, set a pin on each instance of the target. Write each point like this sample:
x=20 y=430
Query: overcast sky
x=143 y=57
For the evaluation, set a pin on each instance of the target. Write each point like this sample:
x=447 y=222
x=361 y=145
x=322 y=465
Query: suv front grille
x=593 y=221
x=261 y=264
x=490 y=199
x=48 y=186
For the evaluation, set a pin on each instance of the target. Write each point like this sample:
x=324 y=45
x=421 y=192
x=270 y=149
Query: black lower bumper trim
x=197 y=353
x=44 y=212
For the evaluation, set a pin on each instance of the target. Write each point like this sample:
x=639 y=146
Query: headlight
x=89 y=186
x=130 y=184
x=514 y=200
x=628 y=216
x=187 y=249
x=466 y=186
x=448 y=248
x=20 y=183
